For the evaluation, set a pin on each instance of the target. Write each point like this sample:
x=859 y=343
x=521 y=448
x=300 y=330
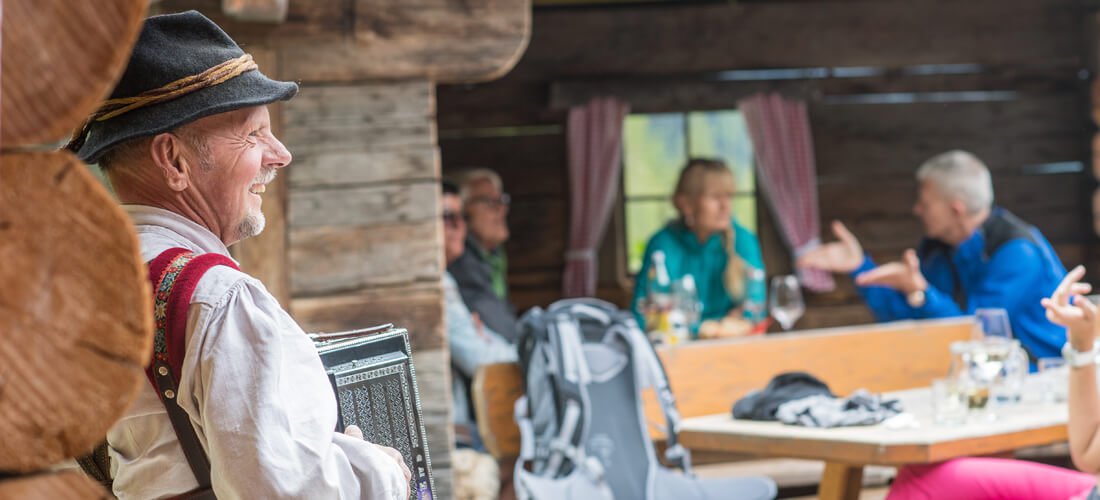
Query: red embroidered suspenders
x=174 y=275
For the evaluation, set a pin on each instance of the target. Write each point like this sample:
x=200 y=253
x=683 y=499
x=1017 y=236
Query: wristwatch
x=915 y=298
x=1077 y=359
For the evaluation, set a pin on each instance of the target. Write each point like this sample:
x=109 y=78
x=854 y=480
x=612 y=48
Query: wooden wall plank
x=395 y=116
x=539 y=230
x=364 y=206
x=864 y=140
x=349 y=168
x=356 y=104
x=663 y=39
x=329 y=259
x=529 y=165
x=498 y=103
x=418 y=307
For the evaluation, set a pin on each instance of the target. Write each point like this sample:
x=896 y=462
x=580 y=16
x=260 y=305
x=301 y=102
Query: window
x=656 y=147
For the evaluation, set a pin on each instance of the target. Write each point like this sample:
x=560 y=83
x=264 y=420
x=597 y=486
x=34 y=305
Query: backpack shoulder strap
x=174 y=275
x=651 y=373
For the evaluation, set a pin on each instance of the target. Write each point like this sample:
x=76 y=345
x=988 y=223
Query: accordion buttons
x=170 y=394
x=162 y=371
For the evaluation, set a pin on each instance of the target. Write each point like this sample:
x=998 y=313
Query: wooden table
x=847 y=450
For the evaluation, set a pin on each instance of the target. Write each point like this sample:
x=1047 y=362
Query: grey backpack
x=582 y=427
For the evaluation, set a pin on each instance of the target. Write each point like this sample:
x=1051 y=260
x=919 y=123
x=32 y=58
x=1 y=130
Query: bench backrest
x=708 y=376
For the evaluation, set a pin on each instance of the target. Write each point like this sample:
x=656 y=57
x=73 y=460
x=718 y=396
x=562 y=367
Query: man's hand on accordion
x=355 y=431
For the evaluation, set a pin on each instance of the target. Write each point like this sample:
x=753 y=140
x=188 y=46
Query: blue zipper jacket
x=1006 y=263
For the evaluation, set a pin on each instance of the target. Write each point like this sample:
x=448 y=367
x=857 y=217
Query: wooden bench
x=708 y=376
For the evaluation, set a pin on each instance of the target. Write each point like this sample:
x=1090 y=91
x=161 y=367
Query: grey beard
x=252 y=225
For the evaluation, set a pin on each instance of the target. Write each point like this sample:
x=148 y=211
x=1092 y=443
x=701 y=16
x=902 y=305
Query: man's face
x=935 y=212
x=454 y=228
x=233 y=167
x=487 y=214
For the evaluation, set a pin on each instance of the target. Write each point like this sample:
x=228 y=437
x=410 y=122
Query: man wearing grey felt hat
x=185 y=140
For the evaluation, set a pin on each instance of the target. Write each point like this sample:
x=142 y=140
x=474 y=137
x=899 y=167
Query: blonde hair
x=691 y=184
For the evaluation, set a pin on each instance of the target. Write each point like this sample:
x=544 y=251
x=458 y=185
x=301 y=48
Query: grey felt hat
x=172 y=47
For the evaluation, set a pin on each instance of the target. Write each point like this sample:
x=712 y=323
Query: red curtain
x=595 y=139
x=787 y=174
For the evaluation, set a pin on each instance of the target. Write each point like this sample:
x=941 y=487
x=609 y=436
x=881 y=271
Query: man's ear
x=958 y=208
x=167 y=154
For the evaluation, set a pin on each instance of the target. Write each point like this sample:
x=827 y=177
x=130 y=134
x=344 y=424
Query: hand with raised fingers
x=903 y=276
x=842 y=256
x=1069 y=307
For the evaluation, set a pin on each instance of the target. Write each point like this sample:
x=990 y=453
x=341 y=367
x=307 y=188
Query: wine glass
x=785 y=302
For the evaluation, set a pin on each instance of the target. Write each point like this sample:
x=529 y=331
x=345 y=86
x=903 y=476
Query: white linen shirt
x=255 y=390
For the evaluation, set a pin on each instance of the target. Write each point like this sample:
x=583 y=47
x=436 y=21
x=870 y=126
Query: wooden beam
x=671 y=39
x=670 y=94
x=263 y=11
x=328 y=41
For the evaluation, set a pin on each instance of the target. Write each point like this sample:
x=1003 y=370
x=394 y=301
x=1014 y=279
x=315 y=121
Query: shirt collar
x=687 y=236
x=188 y=233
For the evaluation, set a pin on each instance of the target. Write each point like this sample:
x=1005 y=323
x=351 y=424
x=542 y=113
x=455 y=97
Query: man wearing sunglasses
x=481 y=272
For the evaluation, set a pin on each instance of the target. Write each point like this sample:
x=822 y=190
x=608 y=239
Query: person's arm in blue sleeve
x=885 y=303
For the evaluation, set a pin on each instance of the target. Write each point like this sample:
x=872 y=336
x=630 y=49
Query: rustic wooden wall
x=667 y=57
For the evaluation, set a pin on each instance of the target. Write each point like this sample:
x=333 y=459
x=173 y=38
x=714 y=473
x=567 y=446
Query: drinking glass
x=1054 y=378
x=785 y=301
x=950 y=404
x=994 y=322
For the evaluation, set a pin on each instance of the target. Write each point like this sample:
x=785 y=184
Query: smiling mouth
x=258 y=189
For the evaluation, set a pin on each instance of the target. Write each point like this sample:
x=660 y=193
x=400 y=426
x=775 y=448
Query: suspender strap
x=174 y=275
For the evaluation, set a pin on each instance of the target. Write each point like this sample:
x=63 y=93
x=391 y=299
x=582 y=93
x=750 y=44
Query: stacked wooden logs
x=75 y=320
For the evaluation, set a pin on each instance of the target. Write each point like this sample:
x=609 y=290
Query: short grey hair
x=960 y=176
x=468 y=177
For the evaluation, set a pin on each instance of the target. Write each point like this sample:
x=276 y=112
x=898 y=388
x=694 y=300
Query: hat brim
x=247 y=90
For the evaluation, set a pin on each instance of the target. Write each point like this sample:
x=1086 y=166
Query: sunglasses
x=451 y=219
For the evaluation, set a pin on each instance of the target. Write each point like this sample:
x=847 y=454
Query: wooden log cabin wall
x=354 y=235
x=889 y=84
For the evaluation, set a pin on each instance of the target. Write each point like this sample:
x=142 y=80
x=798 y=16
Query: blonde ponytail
x=734 y=275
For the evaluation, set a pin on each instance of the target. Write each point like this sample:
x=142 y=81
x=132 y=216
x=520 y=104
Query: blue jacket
x=1006 y=263
x=706 y=262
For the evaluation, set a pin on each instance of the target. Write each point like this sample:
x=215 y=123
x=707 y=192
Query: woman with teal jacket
x=706 y=243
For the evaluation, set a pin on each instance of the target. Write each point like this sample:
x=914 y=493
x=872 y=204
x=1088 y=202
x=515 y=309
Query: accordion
x=371 y=372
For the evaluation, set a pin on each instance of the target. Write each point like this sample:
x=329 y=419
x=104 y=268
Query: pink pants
x=989 y=479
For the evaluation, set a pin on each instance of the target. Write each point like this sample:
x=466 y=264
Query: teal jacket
x=704 y=261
